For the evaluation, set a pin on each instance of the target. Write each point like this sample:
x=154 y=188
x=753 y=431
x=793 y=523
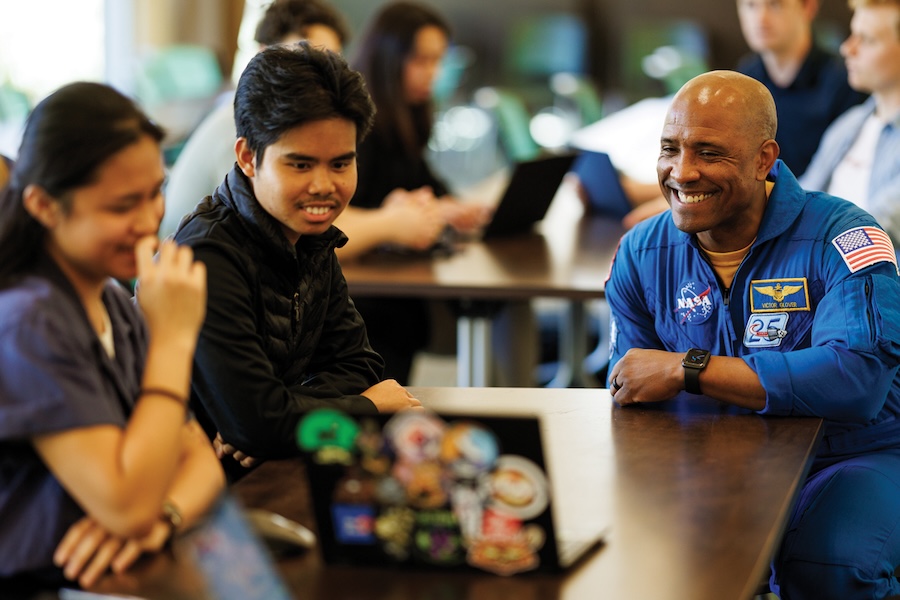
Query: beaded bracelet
x=164 y=392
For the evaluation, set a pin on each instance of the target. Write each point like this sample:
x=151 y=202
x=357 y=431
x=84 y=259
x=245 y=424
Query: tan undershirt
x=726 y=264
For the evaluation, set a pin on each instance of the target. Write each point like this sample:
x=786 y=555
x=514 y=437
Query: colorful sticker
x=428 y=491
x=693 y=303
x=765 y=330
x=394 y=528
x=415 y=436
x=425 y=488
x=468 y=449
x=437 y=538
x=517 y=486
x=353 y=523
x=779 y=295
x=504 y=556
x=330 y=433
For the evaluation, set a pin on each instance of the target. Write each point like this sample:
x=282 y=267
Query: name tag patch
x=766 y=330
x=779 y=295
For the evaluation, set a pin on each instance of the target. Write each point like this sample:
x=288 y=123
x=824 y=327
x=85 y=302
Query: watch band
x=171 y=515
x=692 y=380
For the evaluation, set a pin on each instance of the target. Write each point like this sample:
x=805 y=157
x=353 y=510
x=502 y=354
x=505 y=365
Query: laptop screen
x=414 y=489
x=601 y=184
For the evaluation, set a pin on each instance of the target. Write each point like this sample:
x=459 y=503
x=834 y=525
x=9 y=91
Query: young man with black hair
x=281 y=334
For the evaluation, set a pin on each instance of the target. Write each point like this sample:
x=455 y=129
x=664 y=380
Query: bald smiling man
x=757 y=293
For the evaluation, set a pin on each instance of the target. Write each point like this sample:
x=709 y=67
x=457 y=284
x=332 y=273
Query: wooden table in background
x=698 y=495
x=567 y=256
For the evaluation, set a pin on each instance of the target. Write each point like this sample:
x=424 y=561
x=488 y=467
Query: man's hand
x=646 y=376
x=88 y=550
x=224 y=449
x=390 y=396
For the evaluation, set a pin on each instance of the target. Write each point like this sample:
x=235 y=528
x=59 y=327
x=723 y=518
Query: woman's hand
x=171 y=289
x=88 y=550
x=415 y=217
x=463 y=216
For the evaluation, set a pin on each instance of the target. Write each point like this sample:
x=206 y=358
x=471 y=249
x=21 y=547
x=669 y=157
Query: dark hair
x=382 y=52
x=68 y=136
x=284 y=87
x=284 y=17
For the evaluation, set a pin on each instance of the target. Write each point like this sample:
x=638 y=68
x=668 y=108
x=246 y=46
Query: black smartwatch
x=694 y=361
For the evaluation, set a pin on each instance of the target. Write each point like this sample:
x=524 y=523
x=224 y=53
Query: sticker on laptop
x=431 y=491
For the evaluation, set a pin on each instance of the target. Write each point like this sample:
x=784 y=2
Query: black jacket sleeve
x=235 y=389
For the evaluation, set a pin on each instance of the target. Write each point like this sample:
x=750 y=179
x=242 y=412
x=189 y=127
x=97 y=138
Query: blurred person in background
x=859 y=157
x=209 y=152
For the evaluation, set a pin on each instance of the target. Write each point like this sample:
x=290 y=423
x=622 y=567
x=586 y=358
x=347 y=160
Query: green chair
x=581 y=93
x=659 y=55
x=180 y=72
x=178 y=86
x=513 y=121
x=14 y=104
x=544 y=44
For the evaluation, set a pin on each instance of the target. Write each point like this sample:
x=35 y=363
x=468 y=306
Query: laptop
x=528 y=195
x=419 y=490
x=233 y=560
x=525 y=200
x=601 y=184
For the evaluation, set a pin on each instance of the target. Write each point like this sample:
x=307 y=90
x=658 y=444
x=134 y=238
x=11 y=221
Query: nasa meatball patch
x=693 y=303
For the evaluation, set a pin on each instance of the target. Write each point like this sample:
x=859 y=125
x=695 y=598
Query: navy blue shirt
x=817 y=96
x=55 y=376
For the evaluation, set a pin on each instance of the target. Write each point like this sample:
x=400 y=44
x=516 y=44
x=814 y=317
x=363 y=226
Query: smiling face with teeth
x=716 y=150
x=305 y=179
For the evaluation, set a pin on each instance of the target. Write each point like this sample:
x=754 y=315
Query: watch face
x=696 y=358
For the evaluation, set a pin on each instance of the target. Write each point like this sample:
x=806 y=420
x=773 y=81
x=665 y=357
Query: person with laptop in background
x=99 y=460
x=400 y=202
x=209 y=152
x=759 y=294
x=859 y=157
x=281 y=333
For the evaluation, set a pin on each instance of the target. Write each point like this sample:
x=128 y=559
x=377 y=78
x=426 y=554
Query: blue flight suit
x=814 y=310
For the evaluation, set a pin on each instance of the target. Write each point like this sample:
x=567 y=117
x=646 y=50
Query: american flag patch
x=862 y=247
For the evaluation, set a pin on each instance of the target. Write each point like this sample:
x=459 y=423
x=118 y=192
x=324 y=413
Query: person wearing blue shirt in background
x=809 y=84
x=859 y=157
x=756 y=293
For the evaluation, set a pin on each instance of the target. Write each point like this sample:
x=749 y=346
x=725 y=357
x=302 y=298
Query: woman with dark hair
x=98 y=462
x=399 y=201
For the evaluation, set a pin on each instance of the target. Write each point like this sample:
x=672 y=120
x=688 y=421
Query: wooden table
x=567 y=256
x=698 y=495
